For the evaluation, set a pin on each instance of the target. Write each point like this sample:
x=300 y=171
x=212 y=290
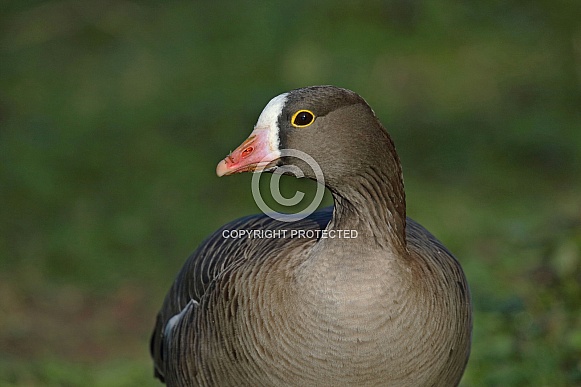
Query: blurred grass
x=113 y=115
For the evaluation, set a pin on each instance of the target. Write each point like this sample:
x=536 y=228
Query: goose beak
x=256 y=154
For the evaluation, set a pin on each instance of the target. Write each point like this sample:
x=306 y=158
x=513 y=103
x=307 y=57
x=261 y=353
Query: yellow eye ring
x=302 y=118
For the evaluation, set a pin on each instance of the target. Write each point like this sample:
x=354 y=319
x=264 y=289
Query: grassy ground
x=113 y=116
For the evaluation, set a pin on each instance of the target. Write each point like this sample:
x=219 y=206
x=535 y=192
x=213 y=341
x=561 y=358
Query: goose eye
x=302 y=118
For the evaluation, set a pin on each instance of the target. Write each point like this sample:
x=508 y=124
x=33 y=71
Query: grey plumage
x=388 y=308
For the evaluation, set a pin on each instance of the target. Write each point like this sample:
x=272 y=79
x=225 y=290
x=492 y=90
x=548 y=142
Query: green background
x=113 y=115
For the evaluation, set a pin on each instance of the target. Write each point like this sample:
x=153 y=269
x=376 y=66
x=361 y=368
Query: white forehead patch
x=269 y=119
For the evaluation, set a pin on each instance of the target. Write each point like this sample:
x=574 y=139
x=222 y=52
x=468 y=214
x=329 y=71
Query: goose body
x=388 y=307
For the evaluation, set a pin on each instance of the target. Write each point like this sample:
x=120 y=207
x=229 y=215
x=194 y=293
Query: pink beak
x=253 y=155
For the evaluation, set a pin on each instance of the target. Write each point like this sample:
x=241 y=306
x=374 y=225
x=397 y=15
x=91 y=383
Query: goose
x=387 y=306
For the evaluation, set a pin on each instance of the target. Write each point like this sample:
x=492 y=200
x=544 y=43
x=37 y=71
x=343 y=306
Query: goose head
x=333 y=126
